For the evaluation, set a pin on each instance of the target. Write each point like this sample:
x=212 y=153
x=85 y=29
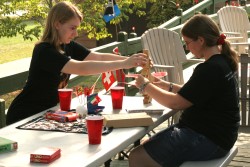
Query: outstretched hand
x=159 y=83
x=136 y=60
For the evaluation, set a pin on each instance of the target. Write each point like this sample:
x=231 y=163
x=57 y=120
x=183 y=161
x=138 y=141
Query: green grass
x=15 y=48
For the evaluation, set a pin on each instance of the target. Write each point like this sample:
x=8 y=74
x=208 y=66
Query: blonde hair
x=202 y=26
x=61 y=12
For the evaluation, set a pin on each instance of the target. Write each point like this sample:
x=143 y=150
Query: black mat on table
x=41 y=123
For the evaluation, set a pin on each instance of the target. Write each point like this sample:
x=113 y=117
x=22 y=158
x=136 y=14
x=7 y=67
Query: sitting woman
x=208 y=126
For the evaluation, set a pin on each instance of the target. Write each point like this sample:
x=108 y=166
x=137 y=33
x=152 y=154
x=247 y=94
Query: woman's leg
x=140 y=158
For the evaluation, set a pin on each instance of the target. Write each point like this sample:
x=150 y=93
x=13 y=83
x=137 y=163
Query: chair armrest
x=162 y=66
x=195 y=60
x=241 y=47
x=240 y=43
x=234 y=38
x=169 y=69
x=232 y=33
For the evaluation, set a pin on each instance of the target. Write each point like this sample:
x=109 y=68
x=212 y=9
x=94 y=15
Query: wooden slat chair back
x=244 y=89
x=166 y=51
x=233 y=20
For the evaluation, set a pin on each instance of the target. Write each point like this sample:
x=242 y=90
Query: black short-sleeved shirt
x=45 y=77
x=213 y=90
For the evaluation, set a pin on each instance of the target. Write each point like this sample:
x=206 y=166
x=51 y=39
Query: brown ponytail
x=202 y=26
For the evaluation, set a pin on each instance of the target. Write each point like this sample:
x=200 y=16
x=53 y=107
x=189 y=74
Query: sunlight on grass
x=16 y=47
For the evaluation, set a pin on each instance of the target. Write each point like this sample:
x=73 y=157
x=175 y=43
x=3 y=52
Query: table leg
x=124 y=154
x=107 y=163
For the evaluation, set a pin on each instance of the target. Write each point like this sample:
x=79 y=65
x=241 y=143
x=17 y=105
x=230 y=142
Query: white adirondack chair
x=167 y=54
x=234 y=23
x=244 y=79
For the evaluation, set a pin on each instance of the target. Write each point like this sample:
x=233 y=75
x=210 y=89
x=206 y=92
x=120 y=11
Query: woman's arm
x=169 y=99
x=104 y=57
x=97 y=67
x=166 y=85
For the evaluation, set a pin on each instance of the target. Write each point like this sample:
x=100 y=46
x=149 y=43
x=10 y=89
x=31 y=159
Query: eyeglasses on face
x=187 y=43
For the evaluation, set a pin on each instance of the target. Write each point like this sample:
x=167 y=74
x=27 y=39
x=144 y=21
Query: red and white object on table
x=45 y=155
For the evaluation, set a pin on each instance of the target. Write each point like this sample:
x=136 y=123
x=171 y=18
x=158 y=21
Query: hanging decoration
x=111 y=11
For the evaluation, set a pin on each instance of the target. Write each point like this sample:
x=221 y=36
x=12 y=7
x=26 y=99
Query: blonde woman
x=55 y=57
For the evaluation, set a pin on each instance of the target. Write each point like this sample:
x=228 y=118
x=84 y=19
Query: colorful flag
x=108 y=79
x=116 y=13
x=78 y=90
x=116 y=51
x=89 y=91
x=92 y=105
x=94 y=99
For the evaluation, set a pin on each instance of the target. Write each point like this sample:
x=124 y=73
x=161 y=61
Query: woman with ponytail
x=208 y=126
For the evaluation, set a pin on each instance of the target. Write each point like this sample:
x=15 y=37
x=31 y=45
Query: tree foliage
x=163 y=10
x=14 y=15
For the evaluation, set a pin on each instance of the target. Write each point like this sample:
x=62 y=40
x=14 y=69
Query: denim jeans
x=175 y=145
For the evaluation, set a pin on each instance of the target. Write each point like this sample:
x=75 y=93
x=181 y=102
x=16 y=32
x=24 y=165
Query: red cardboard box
x=61 y=116
x=37 y=160
x=45 y=155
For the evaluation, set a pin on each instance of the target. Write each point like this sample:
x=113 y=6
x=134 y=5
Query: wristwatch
x=143 y=86
x=171 y=86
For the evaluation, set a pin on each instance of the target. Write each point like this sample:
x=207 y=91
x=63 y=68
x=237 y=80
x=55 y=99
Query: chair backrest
x=244 y=79
x=234 y=19
x=165 y=48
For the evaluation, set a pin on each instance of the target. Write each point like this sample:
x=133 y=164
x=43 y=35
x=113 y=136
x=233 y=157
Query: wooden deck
x=243 y=156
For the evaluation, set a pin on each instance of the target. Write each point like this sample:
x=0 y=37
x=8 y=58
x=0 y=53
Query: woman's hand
x=140 y=80
x=160 y=83
x=135 y=60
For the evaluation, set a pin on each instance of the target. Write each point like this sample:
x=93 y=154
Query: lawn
x=15 y=48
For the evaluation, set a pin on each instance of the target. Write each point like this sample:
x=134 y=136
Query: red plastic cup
x=94 y=128
x=117 y=94
x=65 y=96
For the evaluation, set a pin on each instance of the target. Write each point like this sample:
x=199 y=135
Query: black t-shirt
x=45 y=77
x=213 y=90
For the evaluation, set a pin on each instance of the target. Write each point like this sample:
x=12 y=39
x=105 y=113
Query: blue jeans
x=175 y=145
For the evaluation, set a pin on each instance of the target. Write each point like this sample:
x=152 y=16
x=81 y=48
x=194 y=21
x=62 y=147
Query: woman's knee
x=134 y=153
x=135 y=156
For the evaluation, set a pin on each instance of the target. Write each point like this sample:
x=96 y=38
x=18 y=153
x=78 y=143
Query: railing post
x=243 y=2
x=123 y=37
x=132 y=35
x=212 y=8
x=2 y=113
x=179 y=12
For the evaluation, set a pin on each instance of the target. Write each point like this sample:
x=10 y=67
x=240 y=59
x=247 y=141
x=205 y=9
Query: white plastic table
x=75 y=148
